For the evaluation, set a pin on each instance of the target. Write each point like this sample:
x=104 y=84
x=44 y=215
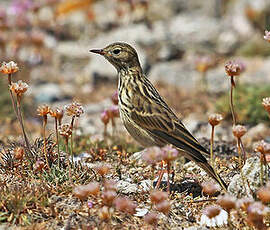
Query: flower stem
x=45 y=141
x=231 y=100
x=57 y=142
x=240 y=163
x=19 y=113
x=71 y=139
x=69 y=169
x=211 y=147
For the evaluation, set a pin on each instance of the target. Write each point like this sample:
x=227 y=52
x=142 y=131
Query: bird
x=145 y=114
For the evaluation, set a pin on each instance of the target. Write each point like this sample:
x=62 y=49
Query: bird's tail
x=208 y=168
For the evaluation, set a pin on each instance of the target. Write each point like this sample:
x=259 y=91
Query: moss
x=247 y=100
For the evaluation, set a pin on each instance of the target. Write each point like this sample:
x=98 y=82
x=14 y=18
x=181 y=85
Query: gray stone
x=177 y=73
x=126 y=187
x=47 y=93
x=251 y=172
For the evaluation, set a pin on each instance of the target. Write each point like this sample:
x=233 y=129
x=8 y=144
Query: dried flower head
x=105 y=117
x=264 y=194
x=110 y=185
x=83 y=191
x=123 y=204
x=104 y=213
x=163 y=206
x=74 y=109
x=204 y=63
x=239 y=131
x=244 y=203
x=215 y=119
x=152 y=155
x=157 y=196
x=39 y=165
x=102 y=169
x=169 y=153
x=18 y=153
x=262 y=147
x=43 y=110
x=151 y=218
x=234 y=68
x=9 y=68
x=227 y=202
x=114 y=98
x=108 y=197
x=214 y=216
x=65 y=130
x=256 y=212
x=210 y=188
x=57 y=113
x=266 y=104
x=19 y=88
x=267 y=36
x=113 y=111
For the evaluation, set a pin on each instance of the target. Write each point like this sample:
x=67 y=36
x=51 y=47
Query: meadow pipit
x=145 y=114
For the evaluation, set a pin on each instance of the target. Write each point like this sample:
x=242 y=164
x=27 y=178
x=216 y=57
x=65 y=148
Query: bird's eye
x=116 y=51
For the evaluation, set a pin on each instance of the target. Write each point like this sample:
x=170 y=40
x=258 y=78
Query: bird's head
x=120 y=55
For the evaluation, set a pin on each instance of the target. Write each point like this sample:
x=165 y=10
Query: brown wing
x=154 y=115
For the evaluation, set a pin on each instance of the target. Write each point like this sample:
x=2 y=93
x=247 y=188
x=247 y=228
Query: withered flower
x=65 y=130
x=157 y=196
x=163 y=206
x=169 y=153
x=264 y=194
x=108 y=197
x=19 y=88
x=102 y=169
x=244 y=203
x=9 y=68
x=83 y=191
x=267 y=36
x=256 y=212
x=239 y=131
x=39 y=165
x=114 y=98
x=74 y=109
x=18 y=153
x=234 y=68
x=215 y=119
x=124 y=204
x=151 y=218
x=57 y=113
x=266 y=104
x=204 y=63
x=104 y=213
x=152 y=155
x=262 y=147
x=210 y=188
x=105 y=117
x=43 y=110
x=214 y=216
x=227 y=202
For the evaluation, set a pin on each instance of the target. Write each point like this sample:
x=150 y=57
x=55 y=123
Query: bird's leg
x=160 y=175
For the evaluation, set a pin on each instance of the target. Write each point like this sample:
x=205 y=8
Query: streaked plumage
x=144 y=113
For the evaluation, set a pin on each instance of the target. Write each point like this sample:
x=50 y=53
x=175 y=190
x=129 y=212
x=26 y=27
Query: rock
x=47 y=93
x=255 y=133
x=194 y=31
x=145 y=185
x=251 y=172
x=126 y=187
x=140 y=212
x=176 y=73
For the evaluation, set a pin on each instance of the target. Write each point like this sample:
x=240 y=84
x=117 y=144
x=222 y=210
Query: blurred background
x=182 y=45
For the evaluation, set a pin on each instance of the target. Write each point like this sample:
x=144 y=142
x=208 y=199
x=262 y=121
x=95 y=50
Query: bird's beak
x=98 y=51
